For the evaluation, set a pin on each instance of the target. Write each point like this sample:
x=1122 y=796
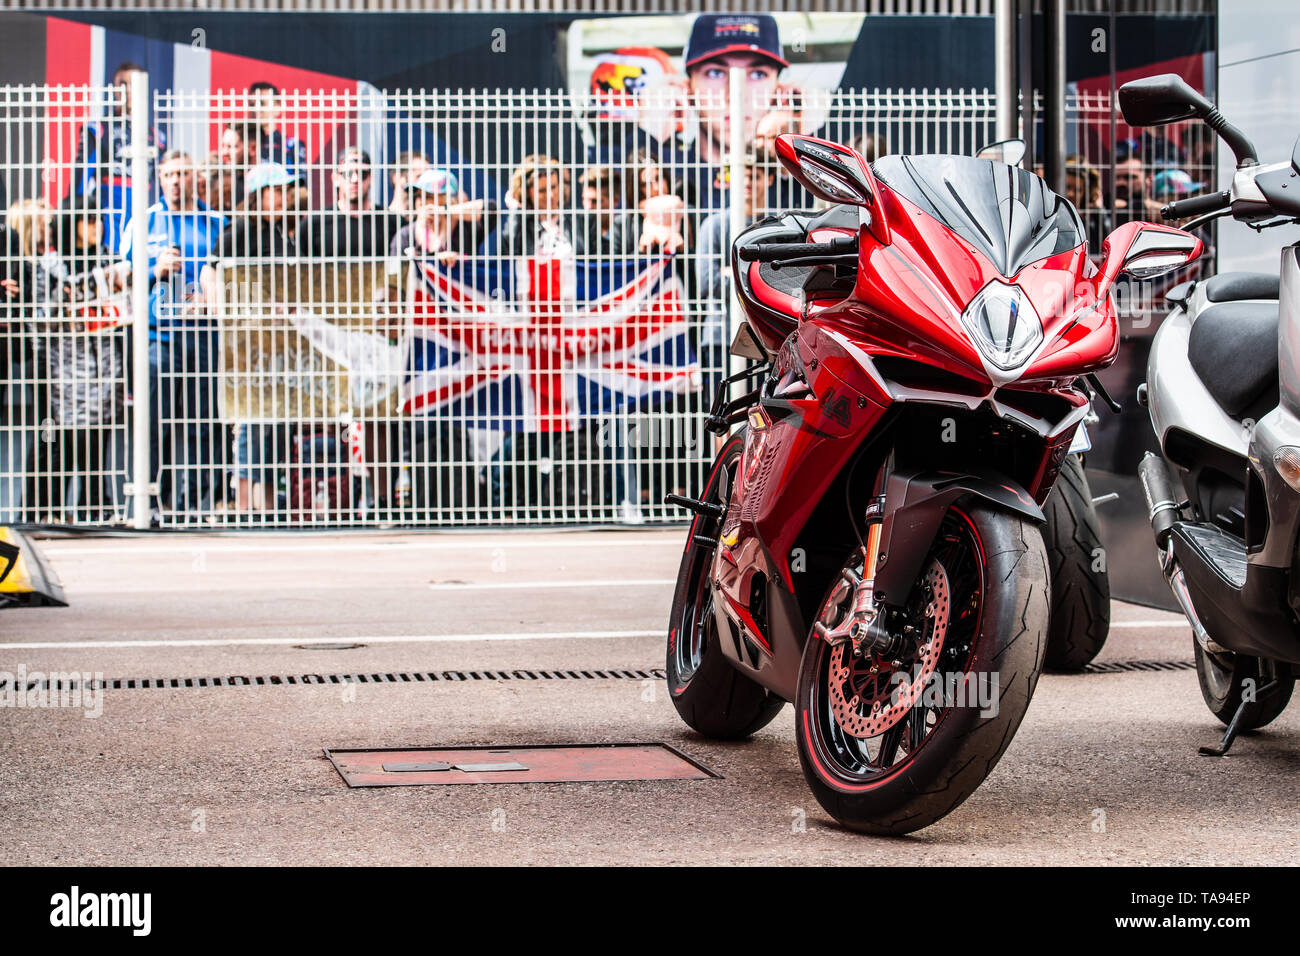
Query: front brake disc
x=869 y=696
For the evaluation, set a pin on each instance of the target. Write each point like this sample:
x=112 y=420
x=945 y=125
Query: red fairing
x=911 y=293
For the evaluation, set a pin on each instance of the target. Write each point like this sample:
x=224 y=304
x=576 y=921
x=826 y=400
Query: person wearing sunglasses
x=354 y=228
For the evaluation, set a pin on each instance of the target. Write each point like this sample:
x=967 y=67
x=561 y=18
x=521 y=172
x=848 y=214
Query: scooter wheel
x=710 y=694
x=1223 y=679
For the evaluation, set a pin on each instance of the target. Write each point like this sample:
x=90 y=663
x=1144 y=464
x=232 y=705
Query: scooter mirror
x=1145 y=250
x=1009 y=151
x=1157 y=100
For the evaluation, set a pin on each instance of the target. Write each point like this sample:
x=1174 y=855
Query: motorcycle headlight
x=1003 y=324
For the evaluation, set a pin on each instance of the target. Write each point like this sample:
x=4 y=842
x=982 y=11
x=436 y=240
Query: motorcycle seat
x=1233 y=350
x=1233 y=286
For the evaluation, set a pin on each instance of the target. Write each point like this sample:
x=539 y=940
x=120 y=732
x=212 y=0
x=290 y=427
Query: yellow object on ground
x=25 y=579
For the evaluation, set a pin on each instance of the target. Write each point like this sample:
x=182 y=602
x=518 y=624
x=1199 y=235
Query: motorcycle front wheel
x=891 y=746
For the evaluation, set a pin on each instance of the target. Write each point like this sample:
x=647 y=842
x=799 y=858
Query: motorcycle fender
x=915 y=503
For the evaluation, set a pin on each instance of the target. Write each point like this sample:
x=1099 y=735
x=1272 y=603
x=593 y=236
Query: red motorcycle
x=868 y=544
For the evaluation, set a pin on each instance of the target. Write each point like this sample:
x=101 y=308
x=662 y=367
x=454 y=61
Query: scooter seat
x=1234 y=286
x=1233 y=350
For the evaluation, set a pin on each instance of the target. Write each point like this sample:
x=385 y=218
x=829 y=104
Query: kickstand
x=1230 y=734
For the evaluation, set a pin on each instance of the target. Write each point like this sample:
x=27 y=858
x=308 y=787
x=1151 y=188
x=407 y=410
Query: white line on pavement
x=52 y=547
x=1180 y=622
x=265 y=584
x=391 y=639
x=532 y=585
x=295 y=641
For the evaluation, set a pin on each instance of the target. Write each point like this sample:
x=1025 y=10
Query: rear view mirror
x=1158 y=100
x=1155 y=252
x=1145 y=250
x=830 y=172
x=834 y=174
x=1009 y=151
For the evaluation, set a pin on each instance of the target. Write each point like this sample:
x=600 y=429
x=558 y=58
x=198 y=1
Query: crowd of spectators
x=1147 y=174
x=252 y=197
x=249 y=198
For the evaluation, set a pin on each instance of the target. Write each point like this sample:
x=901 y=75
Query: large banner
x=534 y=345
x=309 y=340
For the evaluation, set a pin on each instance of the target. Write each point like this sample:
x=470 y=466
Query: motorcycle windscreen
x=1008 y=214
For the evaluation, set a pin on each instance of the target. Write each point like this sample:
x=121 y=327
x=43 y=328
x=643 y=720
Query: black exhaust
x=1162 y=496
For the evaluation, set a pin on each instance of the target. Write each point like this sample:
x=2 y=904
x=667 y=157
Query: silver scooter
x=1223 y=392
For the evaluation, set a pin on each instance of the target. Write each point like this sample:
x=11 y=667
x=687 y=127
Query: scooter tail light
x=1287 y=462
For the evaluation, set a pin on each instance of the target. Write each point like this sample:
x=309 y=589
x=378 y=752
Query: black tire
x=999 y=602
x=710 y=694
x=1080 y=596
x=1222 y=679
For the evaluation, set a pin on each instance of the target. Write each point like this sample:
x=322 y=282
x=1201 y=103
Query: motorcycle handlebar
x=1197 y=205
x=774 y=251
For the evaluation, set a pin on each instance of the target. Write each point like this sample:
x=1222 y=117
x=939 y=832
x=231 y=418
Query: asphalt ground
x=1104 y=769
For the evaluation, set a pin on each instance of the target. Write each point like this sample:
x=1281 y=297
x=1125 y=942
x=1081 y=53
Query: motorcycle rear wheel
x=710 y=694
x=994 y=578
x=1080 y=593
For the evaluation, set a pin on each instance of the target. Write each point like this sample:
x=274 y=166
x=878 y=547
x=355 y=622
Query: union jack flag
x=543 y=346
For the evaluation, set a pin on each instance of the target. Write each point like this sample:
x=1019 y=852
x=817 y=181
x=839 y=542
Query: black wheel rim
x=856 y=759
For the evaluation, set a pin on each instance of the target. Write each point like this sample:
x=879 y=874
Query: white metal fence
x=64 y=437
x=372 y=308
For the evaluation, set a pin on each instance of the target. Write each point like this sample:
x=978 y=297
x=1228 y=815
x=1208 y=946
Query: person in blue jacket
x=183 y=232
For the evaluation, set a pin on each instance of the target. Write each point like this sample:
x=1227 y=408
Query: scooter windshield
x=1007 y=213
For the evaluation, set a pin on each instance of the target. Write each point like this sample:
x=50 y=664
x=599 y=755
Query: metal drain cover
x=544 y=763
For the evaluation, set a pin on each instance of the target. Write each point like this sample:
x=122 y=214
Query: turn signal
x=1287 y=462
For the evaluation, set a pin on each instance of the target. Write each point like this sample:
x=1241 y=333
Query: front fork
x=864 y=625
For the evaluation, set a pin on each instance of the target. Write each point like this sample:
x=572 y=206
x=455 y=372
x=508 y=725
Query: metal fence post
x=1004 y=69
x=736 y=201
x=140 y=418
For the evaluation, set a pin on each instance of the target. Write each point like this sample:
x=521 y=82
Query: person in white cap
x=262 y=231
x=446 y=224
